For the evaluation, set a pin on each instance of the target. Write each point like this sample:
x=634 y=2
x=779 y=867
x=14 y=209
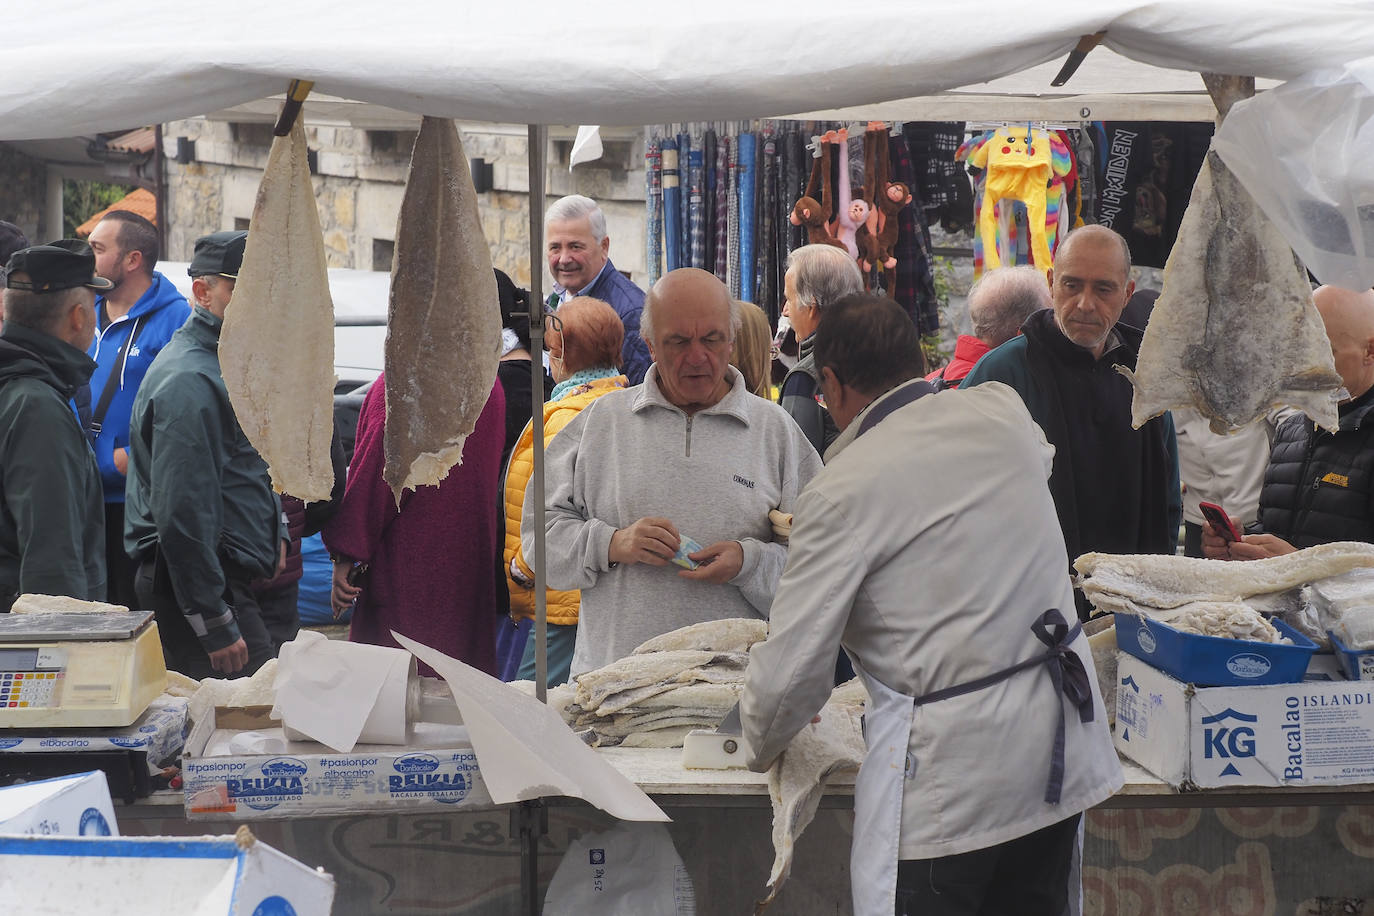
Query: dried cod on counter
x=1234 y=333
x=276 y=350
x=443 y=335
x=688 y=678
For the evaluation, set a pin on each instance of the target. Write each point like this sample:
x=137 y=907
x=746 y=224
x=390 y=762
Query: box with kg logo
x=1312 y=733
x=256 y=774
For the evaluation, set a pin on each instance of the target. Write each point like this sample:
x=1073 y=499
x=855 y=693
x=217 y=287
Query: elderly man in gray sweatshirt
x=688 y=454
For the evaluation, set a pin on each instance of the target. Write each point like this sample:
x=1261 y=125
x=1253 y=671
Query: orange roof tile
x=140 y=201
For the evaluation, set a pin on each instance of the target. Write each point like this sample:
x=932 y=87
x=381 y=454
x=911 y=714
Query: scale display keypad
x=28 y=689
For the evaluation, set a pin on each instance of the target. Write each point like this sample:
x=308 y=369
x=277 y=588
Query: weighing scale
x=90 y=670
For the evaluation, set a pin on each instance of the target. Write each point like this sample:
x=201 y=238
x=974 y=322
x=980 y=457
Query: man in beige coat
x=932 y=553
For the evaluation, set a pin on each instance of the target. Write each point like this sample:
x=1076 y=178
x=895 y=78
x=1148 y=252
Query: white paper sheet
x=525 y=750
x=339 y=693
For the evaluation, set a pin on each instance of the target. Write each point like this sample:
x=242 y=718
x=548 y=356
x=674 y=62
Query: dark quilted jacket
x=1319 y=486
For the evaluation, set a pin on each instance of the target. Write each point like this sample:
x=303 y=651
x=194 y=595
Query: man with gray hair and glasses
x=817 y=276
x=578 y=252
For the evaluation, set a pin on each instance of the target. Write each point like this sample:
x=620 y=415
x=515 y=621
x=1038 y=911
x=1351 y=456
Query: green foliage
x=83 y=199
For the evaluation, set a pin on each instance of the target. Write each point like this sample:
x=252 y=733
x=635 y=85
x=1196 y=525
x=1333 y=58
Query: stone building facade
x=360 y=177
x=22 y=193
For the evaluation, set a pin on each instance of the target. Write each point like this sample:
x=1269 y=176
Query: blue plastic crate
x=1358 y=664
x=1211 y=661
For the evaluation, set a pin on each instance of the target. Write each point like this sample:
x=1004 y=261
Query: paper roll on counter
x=344 y=693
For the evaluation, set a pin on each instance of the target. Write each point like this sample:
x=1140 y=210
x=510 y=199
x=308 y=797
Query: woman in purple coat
x=429 y=566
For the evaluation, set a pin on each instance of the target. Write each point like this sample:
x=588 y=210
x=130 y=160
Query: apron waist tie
x=1067 y=673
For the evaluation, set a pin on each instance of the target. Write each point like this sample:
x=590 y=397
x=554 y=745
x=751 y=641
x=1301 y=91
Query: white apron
x=878 y=799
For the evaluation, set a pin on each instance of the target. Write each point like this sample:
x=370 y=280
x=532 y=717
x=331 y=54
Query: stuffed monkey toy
x=1017 y=161
x=815 y=213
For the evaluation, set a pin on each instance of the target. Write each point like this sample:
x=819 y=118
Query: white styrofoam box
x=135 y=876
x=76 y=805
x=437 y=772
x=1305 y=734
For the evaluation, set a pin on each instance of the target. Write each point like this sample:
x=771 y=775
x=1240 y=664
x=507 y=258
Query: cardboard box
x=135 y=876
x=1313 y=733
x=77 y=805
x=436 y=771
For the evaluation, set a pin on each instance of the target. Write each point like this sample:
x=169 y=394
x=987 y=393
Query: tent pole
x=538 y=141
x=532 y=816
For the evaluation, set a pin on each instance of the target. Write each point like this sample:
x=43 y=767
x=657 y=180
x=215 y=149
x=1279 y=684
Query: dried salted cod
x=443 y=334
x=797 y=779
x=733 y=634
x=276 y=351
x=1113 y=580
x=1234 y=333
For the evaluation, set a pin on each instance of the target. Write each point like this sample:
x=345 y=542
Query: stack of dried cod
x=1217 y=597
x=673 y=683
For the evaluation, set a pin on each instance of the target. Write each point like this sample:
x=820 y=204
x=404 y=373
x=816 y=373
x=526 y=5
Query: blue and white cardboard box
x=1313 y=733
x=136 y=876
x=159 y=732
x=436 y=771
x=76 y=805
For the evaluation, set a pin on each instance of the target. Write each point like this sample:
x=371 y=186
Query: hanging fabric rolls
x=748 y=145
x=708 y=194
x=767 y=244
x=672 y=204
x=653 y=204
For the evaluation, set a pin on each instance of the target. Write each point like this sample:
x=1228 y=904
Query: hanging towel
x=653 y=197
x=672 y=204
x=696 y=176
x=723 y=153
x=708 y=194
x=684 y=158
x=732 y=246
x=748 y=179
x=767 y=246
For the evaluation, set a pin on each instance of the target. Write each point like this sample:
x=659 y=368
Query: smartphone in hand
x=1221 y=522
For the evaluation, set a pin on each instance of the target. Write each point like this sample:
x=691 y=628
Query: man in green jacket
x=200 y=516
x=51 y=509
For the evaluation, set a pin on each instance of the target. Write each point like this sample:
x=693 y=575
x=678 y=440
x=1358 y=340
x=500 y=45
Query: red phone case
x=1219 y=520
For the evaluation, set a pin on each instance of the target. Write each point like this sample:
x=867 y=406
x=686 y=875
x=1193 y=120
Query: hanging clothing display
x=720 y=197
x=1145 y=175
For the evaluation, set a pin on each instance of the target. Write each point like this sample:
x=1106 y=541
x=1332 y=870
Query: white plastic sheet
x=1301 y=150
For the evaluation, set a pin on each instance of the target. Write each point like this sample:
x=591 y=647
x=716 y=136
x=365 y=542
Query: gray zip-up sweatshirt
x=716 y=474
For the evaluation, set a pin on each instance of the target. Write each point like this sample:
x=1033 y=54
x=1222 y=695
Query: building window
x=397 y=142
x=240 y=224
x=383 y=250
x=251 y=134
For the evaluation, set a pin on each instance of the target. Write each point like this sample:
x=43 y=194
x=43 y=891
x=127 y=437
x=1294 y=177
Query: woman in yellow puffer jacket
x=584 y=358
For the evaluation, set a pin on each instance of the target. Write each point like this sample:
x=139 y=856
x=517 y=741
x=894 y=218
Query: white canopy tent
x=77 y=68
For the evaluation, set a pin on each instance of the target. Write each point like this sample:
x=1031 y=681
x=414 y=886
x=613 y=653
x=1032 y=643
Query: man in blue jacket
x=578 y=251
x=135 y=319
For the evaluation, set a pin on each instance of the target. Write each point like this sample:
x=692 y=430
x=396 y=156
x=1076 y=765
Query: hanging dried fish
x=443 y=335
x=276 y=349
x=1234 y=333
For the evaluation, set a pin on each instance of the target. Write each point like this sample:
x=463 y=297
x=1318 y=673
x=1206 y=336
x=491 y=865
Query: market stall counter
x=1231 y=851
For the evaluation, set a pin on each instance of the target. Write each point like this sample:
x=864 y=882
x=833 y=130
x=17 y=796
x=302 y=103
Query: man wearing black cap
x=51 y=511
x=200 y=517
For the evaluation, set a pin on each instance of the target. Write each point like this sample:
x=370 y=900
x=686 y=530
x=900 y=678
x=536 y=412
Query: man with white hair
x=998 y=304
x=691 y=443
x=817 y=276
x=578 y=251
